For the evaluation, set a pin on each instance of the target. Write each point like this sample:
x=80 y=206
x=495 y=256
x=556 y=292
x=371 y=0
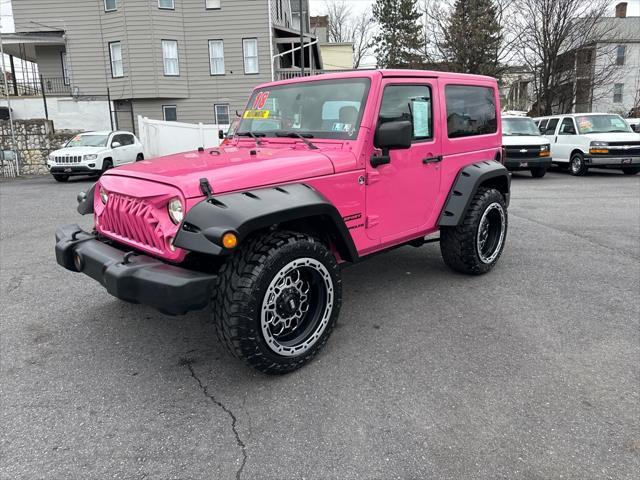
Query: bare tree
x=346 y=26
x=557 y=40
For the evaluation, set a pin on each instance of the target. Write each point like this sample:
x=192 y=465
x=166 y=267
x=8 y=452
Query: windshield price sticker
x=261 y=99
x=256 y=114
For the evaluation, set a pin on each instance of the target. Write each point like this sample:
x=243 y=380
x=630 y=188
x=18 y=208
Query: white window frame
x=207 y=7
x=215 y=113
x=113 y=61
x=212 y=59
x=621 y=94
x=245 y=42
x=172 y=7
x=164 y=112
x=165 y=58
x=115 y=6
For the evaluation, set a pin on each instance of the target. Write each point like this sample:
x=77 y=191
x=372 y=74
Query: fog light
x=229 y=240
x=91 y=165
x=77 y=262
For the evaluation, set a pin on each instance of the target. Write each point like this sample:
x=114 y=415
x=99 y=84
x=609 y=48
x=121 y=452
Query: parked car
x=634 y=123
x=93 y=153
x=322 y=171
x=581 y=141
x=525 y=148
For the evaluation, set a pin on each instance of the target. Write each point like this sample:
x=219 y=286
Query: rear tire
x=577 y=166
x=538 y=172
x=277 y=300
x=630 y=170
x=61 y=178
x=474 y=246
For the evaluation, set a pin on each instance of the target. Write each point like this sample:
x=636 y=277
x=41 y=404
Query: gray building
x=185 y=60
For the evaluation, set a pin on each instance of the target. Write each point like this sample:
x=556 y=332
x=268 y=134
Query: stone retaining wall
x=35 y=139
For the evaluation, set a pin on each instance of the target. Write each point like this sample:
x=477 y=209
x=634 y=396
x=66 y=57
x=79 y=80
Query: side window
x=409 y=102
x=117 y=138
x=470 y=111
x=550 y=129
x=543 y=124
x=567 y=127
x=127 y=139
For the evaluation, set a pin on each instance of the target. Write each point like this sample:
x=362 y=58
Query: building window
x=470 y=111
x=620 y=54
x=222 y=114
x=167 y=4
x=115 y=53
x=170 y=58
x=65 y=68
x=250 y=50
x=170 y=113
x=216 y=57
x=110 y=5
x=617 y=92
x=212 y=4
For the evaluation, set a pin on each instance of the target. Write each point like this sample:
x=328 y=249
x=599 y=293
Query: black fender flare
x=244 y=213
x=469 y=179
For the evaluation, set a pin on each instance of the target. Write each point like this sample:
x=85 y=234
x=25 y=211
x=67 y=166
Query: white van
x=525 y=148
x=580 y=141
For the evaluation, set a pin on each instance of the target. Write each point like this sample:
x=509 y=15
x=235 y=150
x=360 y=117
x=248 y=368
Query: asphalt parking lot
x=529 y=372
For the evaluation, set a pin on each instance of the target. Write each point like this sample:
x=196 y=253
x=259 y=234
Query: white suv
x=92 y=153
x=580 y=141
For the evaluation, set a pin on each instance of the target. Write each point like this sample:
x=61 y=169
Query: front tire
x=140 y=157
x=106 y=165
x=630 y=170
x=474 y=246
x=538 y=172
x=277 y=300
x=577 y=166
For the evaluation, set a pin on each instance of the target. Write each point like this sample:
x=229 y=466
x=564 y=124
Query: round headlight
x=104 y=196
x=176 y=210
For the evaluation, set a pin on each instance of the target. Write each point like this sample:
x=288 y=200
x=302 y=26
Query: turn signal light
x=544 y=153
x=598 y=150
x=229 y=240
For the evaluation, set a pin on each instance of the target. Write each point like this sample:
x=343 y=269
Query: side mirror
x=115 y=144
x=220 y=134
x=395 y=134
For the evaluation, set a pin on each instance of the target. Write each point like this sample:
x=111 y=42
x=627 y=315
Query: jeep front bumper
x=131 y=277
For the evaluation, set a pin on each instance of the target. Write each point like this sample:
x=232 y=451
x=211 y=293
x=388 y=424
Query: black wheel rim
x=491 y=230
x=297 y=306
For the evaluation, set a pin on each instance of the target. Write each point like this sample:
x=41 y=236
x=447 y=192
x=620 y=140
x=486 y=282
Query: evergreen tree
x=473 y=37
x=398 y=40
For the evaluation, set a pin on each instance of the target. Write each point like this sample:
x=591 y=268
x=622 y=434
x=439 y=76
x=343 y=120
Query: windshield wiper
x=255 y=136
x=301 y=136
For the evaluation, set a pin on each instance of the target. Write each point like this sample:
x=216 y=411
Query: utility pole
x=301 y=42
x=8 y=98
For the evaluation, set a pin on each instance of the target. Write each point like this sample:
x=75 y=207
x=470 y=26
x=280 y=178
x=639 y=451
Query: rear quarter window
x=471 y=110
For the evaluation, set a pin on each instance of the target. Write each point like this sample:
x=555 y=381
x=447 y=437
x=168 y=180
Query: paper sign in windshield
x=256 y=114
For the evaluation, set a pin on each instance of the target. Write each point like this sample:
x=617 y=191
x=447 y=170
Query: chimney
x=621 y=10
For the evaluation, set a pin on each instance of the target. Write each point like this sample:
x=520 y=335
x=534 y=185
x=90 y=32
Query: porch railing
x=55 y=86
x=287 y=73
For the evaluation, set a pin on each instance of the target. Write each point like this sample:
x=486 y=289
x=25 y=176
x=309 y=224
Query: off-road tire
x=538 y=172
x=459 y=245
x=61 y=178
x=577 y=166
x=243 y=282
x=630 y=170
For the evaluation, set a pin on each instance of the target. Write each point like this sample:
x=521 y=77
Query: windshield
x=321 y=109
x=88 y=141
x=601 y=124
x=519 y=126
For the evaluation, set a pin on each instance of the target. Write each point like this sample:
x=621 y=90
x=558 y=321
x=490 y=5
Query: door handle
x=432 y=159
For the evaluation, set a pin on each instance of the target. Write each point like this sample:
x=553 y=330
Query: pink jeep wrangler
x=322 y=172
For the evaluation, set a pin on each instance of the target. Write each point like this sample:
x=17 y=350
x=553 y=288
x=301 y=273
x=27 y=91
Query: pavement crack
x=232 y=416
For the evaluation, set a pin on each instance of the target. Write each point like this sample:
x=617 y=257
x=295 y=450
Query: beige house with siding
x=186 y=60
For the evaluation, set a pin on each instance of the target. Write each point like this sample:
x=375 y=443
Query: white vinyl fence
x=165 y=138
